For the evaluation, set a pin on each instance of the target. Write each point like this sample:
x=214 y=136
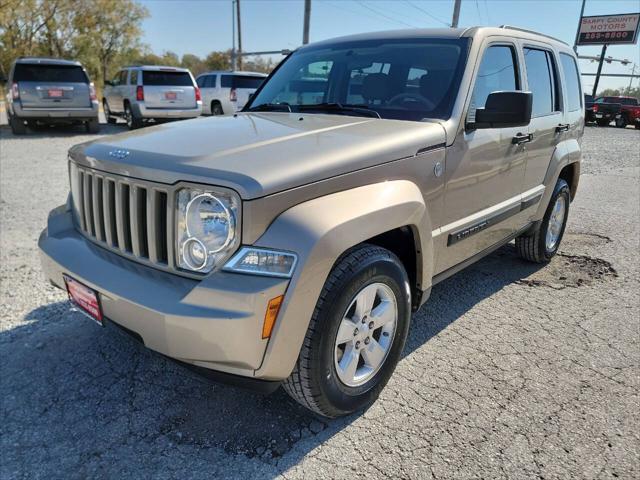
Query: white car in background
x=225 y=92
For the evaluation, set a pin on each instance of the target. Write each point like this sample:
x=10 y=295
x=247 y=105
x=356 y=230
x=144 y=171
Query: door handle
x=563 y=127
x=521 y=138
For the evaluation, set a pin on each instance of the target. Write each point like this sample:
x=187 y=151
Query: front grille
x=126 y=215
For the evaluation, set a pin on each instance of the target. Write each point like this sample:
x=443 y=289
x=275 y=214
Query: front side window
x=541 y=80
x=572 y=82
x=200 y=81
x=123 y=77
x=133 y=78
x=497 y=72
x=404 y=79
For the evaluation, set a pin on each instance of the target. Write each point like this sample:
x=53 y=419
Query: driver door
x=485 y=168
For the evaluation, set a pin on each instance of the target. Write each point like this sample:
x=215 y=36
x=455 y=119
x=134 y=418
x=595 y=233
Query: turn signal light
x=140 y=93
x=198 y=95
x=595 y=108
x=233 y=97
x=92 y=92
x=273 y=308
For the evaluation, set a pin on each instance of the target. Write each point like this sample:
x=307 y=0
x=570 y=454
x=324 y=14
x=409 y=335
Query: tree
x=108 y=28
x=218 y=60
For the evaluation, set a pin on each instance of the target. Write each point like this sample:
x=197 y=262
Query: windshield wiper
x=339 y=107
x=270 y=107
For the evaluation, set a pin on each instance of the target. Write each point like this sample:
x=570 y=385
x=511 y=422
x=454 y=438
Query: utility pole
x=456 y=14
x=595 y=85
x=234 y=55
x=239 y=35
x=575 y=42
x=307 y=21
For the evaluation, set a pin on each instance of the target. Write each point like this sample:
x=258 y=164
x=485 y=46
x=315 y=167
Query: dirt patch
x=587 y=239
x=571 y=271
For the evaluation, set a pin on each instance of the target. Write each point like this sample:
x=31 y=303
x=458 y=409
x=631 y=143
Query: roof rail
x=511 y=27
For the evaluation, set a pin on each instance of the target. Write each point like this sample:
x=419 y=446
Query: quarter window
x=497 y=73
x=572 y=81
x=542 y=81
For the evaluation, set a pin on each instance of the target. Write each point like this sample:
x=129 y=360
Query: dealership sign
x=609 y=29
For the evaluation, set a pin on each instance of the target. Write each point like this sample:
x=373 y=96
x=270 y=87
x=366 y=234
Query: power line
x=358 y=13
x=478 y=9
x=385 y=15
x=427 y=13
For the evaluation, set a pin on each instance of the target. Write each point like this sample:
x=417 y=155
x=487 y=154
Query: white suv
x=225 y=93
x=156 y=93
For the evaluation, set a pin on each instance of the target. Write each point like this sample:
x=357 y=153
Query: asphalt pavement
x=511 y=370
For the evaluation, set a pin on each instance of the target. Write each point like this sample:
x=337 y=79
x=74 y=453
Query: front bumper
x=54 y=114
x=215 y=323
x=142 y=111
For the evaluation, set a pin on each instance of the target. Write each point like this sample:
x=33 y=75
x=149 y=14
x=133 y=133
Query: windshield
x=160 y=78
x=408 y=79
x=49 y=73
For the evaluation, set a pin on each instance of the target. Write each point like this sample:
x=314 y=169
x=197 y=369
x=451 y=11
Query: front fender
x=319 y=231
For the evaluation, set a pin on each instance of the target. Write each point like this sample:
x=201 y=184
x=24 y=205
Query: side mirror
x=505 y=109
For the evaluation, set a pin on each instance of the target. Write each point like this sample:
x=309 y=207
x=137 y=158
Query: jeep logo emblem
x=119 y=154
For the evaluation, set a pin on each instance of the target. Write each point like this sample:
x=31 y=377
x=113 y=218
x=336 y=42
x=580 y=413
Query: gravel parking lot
x=511 y=370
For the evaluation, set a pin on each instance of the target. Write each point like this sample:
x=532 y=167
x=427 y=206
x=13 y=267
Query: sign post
x=605 y=30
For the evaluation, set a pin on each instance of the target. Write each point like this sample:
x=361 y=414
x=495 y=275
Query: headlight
x=206 y=228
x=260 y=261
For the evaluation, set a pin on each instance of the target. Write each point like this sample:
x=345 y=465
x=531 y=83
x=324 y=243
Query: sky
x=202 y=26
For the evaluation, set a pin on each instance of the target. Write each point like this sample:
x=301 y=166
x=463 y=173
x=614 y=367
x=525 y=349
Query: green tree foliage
x=625 y=92
x=104 y=35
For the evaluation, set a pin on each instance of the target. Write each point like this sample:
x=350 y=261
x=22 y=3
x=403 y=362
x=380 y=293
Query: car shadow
x=61 y=131
x=75 y=386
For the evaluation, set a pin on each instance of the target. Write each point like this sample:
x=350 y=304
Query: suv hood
x=258 y=154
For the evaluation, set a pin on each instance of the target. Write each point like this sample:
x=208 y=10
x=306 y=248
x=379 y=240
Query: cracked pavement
x=511 y=370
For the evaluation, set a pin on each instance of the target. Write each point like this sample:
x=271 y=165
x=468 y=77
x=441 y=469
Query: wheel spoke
x=364 y=301
x=383 y=314
x=373 y=354
x=345 y=331
x=349 y=363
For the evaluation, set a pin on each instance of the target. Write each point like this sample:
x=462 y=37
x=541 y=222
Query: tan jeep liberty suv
x=289 y=244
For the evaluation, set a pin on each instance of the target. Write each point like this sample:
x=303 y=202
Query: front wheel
x=356 y=334
x=107 y=113
x=541 y=245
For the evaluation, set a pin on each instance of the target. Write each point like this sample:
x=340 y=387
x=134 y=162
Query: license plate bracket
x=85 y=298
x=55 y=93
x=170 y=95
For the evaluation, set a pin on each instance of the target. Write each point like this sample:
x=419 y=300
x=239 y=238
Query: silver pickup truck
x=290 y=243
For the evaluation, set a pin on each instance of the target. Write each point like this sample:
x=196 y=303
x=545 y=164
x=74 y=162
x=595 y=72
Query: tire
x=17 y=125
x=602 y=122
x=535 y=246
x=317 y=379
x=133 y=122
x=107 y=113
x=216 y=108
x=93 y=126
x=621 y=122
x=637 y=125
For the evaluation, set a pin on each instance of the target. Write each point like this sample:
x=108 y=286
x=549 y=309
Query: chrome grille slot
x=130 y=217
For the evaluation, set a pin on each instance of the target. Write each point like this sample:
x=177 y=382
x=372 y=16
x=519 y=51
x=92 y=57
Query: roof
x=234 y=72
x=47 y=61
x=437 y=33
x=158 y=68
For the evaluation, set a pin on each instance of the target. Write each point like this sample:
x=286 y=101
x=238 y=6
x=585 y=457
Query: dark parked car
x=605 y=110
x=588 y=108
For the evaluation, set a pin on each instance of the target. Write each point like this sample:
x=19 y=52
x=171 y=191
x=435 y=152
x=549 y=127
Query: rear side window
x=49 y=73
x=210 y=81
x=572 y=82
x=497 y=73
x=542 y=81
x=160 y=78
x=241 y=81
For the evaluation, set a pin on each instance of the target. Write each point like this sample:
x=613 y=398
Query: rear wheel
x=621 y=122
x=107 y=113
x=92 y=126
x=541 y=245
x=216 y=108
x=133 y=122
x=17 y=125
x=602 y=122
x=356 y=334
